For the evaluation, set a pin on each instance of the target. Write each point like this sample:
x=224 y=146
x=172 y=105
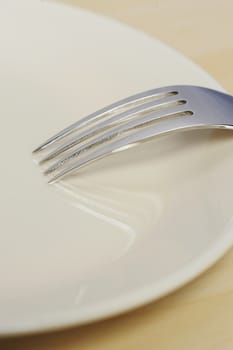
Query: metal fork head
x=131 y=121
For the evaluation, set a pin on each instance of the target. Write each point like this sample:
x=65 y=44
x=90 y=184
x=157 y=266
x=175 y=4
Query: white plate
x=125 y=230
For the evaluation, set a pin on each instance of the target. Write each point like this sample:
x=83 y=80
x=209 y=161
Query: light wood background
x=200 y=315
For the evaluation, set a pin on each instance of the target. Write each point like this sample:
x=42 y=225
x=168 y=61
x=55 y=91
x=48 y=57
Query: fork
x=131 y=121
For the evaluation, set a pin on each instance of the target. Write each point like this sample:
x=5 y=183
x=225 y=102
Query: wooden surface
x=200 y=315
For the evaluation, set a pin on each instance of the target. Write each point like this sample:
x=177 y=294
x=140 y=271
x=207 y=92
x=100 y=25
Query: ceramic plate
x=126 y=230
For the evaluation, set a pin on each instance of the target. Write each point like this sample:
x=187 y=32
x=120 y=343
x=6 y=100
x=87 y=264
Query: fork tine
x=103 y=112
x=165 y=102
x=130 y=140
x=119 y=130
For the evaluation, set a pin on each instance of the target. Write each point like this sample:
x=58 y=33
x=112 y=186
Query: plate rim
x=128 y=302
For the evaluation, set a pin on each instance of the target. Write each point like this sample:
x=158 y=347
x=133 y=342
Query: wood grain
x=200 y=315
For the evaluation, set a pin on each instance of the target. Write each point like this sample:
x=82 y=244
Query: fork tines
x=111 y=129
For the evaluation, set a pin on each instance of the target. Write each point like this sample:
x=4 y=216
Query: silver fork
x=131 y=121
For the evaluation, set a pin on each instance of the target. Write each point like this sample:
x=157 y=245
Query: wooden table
x=200 y=315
